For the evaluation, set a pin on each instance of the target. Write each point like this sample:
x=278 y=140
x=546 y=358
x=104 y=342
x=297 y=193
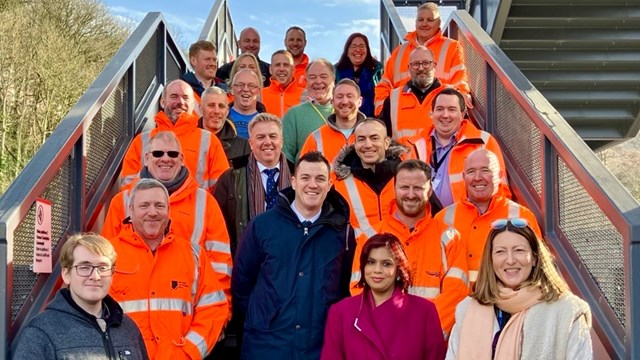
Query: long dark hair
x=345 y=63
x=393 y=244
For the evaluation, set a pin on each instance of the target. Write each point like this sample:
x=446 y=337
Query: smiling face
x=249 y=41
x=320 y=82
x=245 y=91
x=423 y=75
x=357 y=51
x=346 y=102
x=481 y=177
x=295 y=42
x=412 y=192
x=177 y=98
x=281 y=68
x=87 y=291
x=380 y=272
x=205 y=64
x=447 y=115
x=265 y=140
x=427 y=24
x=513 y=259
x=150 y=214
x=164 y=168
x=311 y=185
x=214 y=111
x=371 y=143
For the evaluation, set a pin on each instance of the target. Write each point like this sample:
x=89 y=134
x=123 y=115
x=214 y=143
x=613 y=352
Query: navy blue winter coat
x=286 y=276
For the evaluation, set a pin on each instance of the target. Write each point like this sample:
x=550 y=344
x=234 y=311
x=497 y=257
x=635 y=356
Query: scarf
x=171 y=185
x=256 y=189
x=476 y=335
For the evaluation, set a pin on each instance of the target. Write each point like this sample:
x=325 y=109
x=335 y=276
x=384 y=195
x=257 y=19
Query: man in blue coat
x=293 y=262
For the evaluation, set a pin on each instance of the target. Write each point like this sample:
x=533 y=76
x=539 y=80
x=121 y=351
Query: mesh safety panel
x=594 y=238
x=146 y=65
x=23 y=279
x=476 y=71
x=106 y=127
x=520 y=137
x=173 y=69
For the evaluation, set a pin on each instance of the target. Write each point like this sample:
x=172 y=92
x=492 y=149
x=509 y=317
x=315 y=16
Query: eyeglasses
x=515 y=222
x=87 y=270
x=425 y=64
x=241 y=86
x=159 y=153
x=357 y=47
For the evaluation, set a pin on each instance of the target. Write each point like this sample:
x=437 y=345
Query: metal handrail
x=68 y=141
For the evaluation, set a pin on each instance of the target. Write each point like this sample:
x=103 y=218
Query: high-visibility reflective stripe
x=317 y=136
x=205 y=142
x=127 y=180
x=398 y=73
x=514 y=210
x=211 y=183
x=421 y=149
x=455 y=177
x=212 y=298
x=442 y=61
x=394 y=104
x=199 y=214
x=425 y=292
x=126 y=200
x=485 y=138
x=443 y=251
x=358 y=208
x=473 y=275
x=458 y=274
x=450 y=214
x=199 y=342
x=156 y=304
x=145 y=139
x=218 y=246
x=405 y=133
x=456 y=68
x=355 y=276
x=221 y=268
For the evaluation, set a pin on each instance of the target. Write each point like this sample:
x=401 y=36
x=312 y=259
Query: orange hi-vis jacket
x=203 y=153
x=468 y=139
x=408 y=116
x=171 y=294
x=329 y=139
x=278 y=98
x=437 y=259
x=449 y=59
x=195 y=216
x=300 y=71
x=474 y=227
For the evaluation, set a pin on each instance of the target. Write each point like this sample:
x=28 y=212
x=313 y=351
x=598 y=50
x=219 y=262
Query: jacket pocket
x=263 y=308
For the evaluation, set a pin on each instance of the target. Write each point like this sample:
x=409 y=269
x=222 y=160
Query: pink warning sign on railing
x=42 y=237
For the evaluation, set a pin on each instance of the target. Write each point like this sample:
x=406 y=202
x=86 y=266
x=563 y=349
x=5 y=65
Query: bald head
x=249 y=41
x=481 y=176
x=177 y=98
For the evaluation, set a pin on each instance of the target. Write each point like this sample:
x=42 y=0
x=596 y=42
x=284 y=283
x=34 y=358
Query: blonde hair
x=265 y=118
x=236 y=67
x=95 y=243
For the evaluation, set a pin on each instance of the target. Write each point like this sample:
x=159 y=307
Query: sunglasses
x=515 y=222
x=159 y=153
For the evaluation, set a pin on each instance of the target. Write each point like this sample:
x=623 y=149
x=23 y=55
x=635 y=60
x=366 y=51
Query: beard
x=423 y=82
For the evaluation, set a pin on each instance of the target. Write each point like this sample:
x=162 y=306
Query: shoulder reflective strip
x=127 y=180
x=442 y=61
x=450 y=214
x=424 y=292
x=514 y=210
x=473 y=275
x=455 y=69
x=405 y=133
x=394 y=105
x=203 y=153
x=145 y=138
x=421 y=148
x=397 y=68
x=156 y=304
x=458 y=273
x=355 y=277
x=317 y=136
x=218 y=246
x=212 y=298
x=358 y=208
x=221 y=268
x=126 y=200
x=199 y=342
x=485 y=137
x=199 y=213
x=455 y=177
x=443 y=253
x=210 y=183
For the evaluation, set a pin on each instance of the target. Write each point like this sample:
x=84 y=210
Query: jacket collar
x=348 y=163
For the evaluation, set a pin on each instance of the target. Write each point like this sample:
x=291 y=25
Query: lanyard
x=435 y=163
x=319 y=113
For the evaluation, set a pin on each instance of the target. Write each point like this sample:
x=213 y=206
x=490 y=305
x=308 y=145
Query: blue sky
x=328 y=23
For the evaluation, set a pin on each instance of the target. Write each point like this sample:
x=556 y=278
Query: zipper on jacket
x=108 y=345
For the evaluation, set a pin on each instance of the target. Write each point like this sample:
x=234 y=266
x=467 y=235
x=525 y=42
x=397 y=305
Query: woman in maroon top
x=384 y=321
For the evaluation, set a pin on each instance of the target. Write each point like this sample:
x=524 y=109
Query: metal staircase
x=583 y=56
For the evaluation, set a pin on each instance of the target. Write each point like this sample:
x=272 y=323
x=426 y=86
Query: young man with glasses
x=83 y=321
x=407 y=110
